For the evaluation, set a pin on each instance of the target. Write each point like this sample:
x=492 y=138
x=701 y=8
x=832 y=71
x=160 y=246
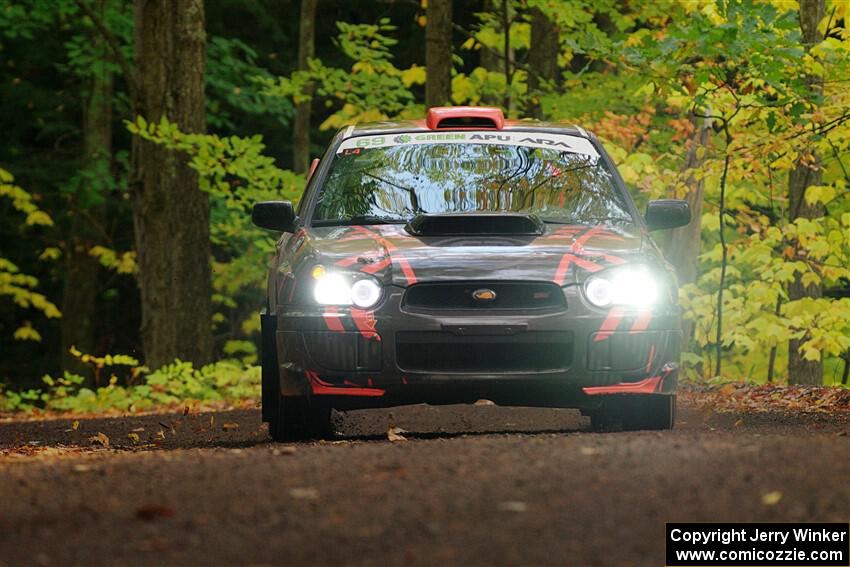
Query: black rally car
x=464 y=257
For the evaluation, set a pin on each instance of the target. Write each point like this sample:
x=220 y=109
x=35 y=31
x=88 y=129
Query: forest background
x=137 y=135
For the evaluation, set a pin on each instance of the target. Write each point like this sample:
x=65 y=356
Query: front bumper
x=556 y=357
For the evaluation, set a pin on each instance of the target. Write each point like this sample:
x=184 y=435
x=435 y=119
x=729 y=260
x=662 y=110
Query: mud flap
x=270 y=370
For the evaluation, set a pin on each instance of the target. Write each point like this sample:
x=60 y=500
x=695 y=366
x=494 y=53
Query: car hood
x=564 y=254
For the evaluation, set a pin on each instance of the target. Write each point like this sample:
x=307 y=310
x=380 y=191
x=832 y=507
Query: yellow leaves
x=636 y=38
x=124 y=263
x=26 y=333
x=50 y=253
x=709 y=10
x=415 y=75
x=396 y=434
x=99 y=439
x=820 y=194
x=771 y=498
x=134 y=437
x=39 y=218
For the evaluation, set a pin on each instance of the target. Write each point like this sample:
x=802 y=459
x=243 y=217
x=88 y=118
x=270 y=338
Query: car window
x=391 y=179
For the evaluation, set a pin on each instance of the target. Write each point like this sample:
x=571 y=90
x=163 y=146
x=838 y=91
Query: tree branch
x=115 y=47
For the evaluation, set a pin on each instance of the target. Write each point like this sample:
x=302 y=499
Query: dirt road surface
x=470 y=485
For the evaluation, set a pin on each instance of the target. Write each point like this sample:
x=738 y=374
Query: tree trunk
x=171 y=215
x=81 y=270
x=801 y=177
x=306 y=50
x=438 y=53
x=682 y=245
x=542 y=59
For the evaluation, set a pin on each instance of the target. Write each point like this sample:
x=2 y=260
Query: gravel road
x=470 y=485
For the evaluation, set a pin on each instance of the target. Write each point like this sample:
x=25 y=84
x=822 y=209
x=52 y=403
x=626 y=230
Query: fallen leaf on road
x=771 y=498
x=230 y=425
x=138 y=430
x=75 y=425
x=134 y=437
x=150 y=513
x=590 y=451
x=395 y=434
x=304 y=493
x=739 y=423
x=513 y=506
x=727 y=390
x=100 y=439
x=485 y=403
x=288 y=450
x=82 y=468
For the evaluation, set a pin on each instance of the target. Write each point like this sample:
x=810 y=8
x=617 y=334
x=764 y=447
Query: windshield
x=561 y=179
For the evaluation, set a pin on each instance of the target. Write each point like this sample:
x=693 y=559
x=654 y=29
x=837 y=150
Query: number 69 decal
x=373 y=141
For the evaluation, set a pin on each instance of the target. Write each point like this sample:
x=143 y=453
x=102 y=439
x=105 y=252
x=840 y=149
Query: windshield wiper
x=359 y=219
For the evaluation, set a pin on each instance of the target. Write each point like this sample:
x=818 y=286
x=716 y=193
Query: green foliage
x=173 y=386
x=372 y=89
x=232 y=78
x=236 y=174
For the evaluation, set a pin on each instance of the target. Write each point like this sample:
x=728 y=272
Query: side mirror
x=274 y=215
x=667 y=213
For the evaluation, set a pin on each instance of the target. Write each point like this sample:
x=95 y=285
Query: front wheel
x=297 y=418
x=633 y=412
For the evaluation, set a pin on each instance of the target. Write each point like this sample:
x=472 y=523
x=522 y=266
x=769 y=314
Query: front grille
x=460 y=296
x=435 y=351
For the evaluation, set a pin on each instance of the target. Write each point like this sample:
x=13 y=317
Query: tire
x=298 y=418
x=635 y=412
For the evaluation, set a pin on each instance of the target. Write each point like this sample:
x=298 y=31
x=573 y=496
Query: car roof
x=525 y=125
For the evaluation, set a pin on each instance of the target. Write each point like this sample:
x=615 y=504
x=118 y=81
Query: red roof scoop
x=464 y=117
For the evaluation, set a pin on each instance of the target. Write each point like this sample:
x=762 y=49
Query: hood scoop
x=476 y=224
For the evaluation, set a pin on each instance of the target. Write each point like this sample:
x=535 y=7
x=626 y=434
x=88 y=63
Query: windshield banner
x=558 y=142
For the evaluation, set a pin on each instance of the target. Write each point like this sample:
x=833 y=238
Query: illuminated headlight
x=365 y=293
x=628 y=286
x=336 y=289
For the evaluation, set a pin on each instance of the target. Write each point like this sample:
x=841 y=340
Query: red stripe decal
x=406 y=269
x=365 y=323
x=345 y=262
x=641 y=322
x=332 y=320
x=587 y=265
x=613 y=259
x=646 y=386
x=579 y=242
x=377 y=266
x=609 y=325
x=321 y=387
x=562 y=268
x=568 y=259
x=390 y=248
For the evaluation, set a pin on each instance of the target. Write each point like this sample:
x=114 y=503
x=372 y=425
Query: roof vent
x=462 y=117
